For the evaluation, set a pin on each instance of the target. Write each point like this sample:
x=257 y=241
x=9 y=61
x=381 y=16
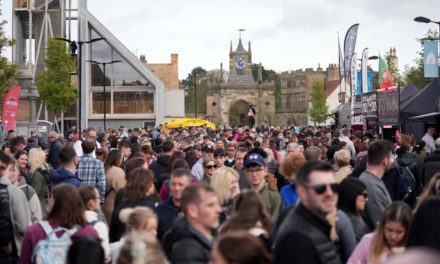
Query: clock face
x=240 y=63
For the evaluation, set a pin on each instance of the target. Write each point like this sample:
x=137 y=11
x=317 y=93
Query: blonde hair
x=269 y=153
x=140 y=248
x=37 y=159
x=341 y=158
x=136 y=218
x=221 y=181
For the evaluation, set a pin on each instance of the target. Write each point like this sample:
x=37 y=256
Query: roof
x=330 y=87
x=240 y=47
x=408 y=92
x=423 y=102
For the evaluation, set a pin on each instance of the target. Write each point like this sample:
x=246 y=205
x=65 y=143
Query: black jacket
x=432 y=166
x=166 y=212
x=304 y=238
x=185 y=245
x=117 y=228
x=54 y=153
x=161 y=168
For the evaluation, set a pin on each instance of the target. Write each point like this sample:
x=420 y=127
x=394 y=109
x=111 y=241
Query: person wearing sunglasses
x=256 y=173
x=304 y=235
x=209 y=167
x=352 y=199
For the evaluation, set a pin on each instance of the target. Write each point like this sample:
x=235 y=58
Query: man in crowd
x=66 y=172
x=91 y=170
x=90 y=136
x=304 y=235
x=292 y=147
x=190 y=239
x=231 y=149
x=197 y=169
x=239 y=167
x=219 y=157
x=168 y=211
x=345 y=136
x=429 y=140
x=163 y=163
x=432 y=163
x=54 y=149
x=256 y=173
x=380 y=158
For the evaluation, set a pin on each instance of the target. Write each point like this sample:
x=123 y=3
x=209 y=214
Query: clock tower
x=240 y=63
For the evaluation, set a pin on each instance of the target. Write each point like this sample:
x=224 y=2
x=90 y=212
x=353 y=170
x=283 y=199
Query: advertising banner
x=10 y=108
x=431 y=58
x=388 y=107
x=353 y=74
x=364 y=70
x=369 y=104
x=349 y=46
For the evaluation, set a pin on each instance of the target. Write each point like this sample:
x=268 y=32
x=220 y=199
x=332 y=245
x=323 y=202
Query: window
x=138 y=102
x=98 y=103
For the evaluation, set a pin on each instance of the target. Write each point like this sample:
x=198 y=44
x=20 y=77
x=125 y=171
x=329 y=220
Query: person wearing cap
x=256 y=172
x=197 y=169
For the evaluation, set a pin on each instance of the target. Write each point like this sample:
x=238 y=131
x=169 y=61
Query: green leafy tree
x=54 y=84
x=197 y=76
x=415 y=74
x=8 y=71
x=319 y=108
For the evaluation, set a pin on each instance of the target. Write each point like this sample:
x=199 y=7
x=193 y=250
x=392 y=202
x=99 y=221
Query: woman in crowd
x=389 y=238
x=137 y=220
x=225 y=183
x=141 y=248
x=114 y=181
x=208 y=169
x=249 y=215
x=66 y=210
x=431 y=189
x=137 y=189
x=289 y=168
x=239 y=248
x=19 y=181
x=39 y=175
x=22 y=158
x=361 y=157
x=352 y=200
x=342 y=162
x=425 y=230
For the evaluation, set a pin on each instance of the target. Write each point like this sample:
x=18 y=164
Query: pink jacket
x=360 y=253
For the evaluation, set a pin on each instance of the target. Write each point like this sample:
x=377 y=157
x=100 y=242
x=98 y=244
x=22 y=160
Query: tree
x=54 y=84
x=319 y=108
x=197 y=75
x=8 y=71
x=415 y=74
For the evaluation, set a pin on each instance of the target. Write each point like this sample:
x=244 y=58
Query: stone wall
x=167 y=72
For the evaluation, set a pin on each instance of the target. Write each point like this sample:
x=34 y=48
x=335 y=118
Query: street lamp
x=73 y=47
x=105 y=96
x=422 y=19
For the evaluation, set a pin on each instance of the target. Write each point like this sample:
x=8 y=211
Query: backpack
x=53 y=250
x=408 y=187
x=6 y=225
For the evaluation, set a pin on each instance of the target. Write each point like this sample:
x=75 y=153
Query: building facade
x=135 y=96
x=228 y=102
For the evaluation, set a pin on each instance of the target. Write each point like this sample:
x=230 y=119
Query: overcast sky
x=285 y=34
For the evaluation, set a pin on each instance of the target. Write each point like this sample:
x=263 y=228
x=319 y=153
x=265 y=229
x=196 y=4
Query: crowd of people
x=231 y=195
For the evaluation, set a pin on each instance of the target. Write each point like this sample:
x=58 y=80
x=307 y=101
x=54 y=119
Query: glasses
x=254 y=170
x=364 y=194
x=211 y=167
x=321 y=188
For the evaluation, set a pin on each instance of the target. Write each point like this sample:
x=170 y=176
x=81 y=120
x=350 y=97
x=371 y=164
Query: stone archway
x=238 y=113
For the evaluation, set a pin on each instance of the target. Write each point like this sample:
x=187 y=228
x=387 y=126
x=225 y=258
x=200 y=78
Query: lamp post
x=422 y=19
x=105 y=96
x=74 y=45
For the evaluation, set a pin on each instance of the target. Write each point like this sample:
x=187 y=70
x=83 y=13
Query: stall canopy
x=423 y=102
x=407 y=92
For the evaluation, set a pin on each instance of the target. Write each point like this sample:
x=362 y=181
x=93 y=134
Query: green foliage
x=319 y=108
x=270 y=75
x=415 y=74
x=54 y=84
x=8 y=71
x=197 y=75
